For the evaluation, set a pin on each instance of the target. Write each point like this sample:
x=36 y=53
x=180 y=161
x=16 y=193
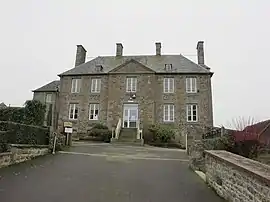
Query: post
x=67 y=139
x=54 y=143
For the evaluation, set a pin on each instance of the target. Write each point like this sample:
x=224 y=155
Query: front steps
x=128 y=136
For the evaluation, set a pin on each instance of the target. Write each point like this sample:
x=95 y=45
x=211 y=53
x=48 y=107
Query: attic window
x=168 y=67
x=99 y=68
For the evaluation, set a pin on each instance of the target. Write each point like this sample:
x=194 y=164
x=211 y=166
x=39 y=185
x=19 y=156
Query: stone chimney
x=158 y=48
x=200 y=53
x=80 y=55
x=119 y=49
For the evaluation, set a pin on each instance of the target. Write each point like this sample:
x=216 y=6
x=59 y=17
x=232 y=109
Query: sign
x=68 y=124
x=68 y=130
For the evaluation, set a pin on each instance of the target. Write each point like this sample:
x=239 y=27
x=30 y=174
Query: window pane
x=49 y=98
x=166 y=85
x=171 y=85
x=98 y=85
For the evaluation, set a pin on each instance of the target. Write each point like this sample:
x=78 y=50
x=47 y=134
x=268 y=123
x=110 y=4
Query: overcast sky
x=38 y=41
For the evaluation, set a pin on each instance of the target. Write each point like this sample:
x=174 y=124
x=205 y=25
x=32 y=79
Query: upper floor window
x=192 y=113
x=131 y=84
x=95 y=85
x=191 y=85
x=76 y=85
x=48 y=98
x=168 y=113
x=93 y=111
x=168 y=85
x=168 y=67
x=73 y=111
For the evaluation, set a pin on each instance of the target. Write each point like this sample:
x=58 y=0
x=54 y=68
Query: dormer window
x=99 y=68
x=168 y=67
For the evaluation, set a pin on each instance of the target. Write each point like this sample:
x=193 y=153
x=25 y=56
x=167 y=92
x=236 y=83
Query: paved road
x=102 y=173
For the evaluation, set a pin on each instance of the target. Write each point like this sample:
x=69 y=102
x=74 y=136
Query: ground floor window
x=168 y=113
x=93 y=111
x=192 y=113
x=73 y=111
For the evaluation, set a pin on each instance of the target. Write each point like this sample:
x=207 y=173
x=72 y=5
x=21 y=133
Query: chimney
x=158 y=48
x=200 y=53
x=119 y=49
x=80 y=55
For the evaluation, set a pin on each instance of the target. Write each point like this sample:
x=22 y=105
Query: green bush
x=100 y=126
x=24 y=134
x=161 y=133
x=100 y=132
x=32 y=114
x=3 y=141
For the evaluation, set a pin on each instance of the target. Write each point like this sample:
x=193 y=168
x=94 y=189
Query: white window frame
x=95 y=85
x=191 y=85
x=48 y=95
x=168 y=117
x=75 y=85
x=94 y=107
x=190 y=112
x=72 y=110
x=131 y=84
x=168 y=85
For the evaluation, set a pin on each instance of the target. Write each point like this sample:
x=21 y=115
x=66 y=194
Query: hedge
x=16 y=133
x=32 y=114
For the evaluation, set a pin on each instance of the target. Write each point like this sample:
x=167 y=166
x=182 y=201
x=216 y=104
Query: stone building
x=48 y=95
x=136 y=91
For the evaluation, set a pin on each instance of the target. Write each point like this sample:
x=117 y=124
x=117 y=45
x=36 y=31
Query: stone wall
x=236 y=178
x=21 y=153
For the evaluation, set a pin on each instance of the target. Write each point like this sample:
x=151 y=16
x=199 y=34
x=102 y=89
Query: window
x=168 y=67
x=131 y=84
x=168 y=85
x=192 y=113
x=93 y=111
x=73 y=111
x=191 y=85
x=168 y=113
x=76 y=85
x=48 y=98
x=95 y=86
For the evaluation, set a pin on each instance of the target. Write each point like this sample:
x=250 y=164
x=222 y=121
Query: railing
x=118 y=128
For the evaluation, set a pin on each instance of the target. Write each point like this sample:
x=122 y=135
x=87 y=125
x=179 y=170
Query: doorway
x=130 y=115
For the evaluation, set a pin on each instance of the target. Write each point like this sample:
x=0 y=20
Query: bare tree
x=240 y=123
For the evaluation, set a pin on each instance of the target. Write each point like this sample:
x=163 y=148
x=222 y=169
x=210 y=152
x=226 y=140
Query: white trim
x=96 y=85
x=131 y=84
x=94 y=107
x=190 y=108
x=168 y=85
x=168 y=117
x=72 y=109
x=191 y=85
x=75 y=85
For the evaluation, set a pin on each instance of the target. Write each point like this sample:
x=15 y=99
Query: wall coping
x=5 y=154
x=29 y=146
x=254 y=167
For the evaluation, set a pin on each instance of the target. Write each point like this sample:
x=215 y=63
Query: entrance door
x=130 y=115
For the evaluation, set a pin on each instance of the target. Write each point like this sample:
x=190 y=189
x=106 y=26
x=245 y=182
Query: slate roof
x=179 y=63
x=50 y=87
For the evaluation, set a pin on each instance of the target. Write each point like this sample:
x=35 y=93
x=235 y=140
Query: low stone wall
x=236 y=178
x=21 y=153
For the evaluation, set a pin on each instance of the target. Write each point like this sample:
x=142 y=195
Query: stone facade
x=21 y=153
x=150 y=72
x=149 y=97
x=41 y=96
x=236 y=178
